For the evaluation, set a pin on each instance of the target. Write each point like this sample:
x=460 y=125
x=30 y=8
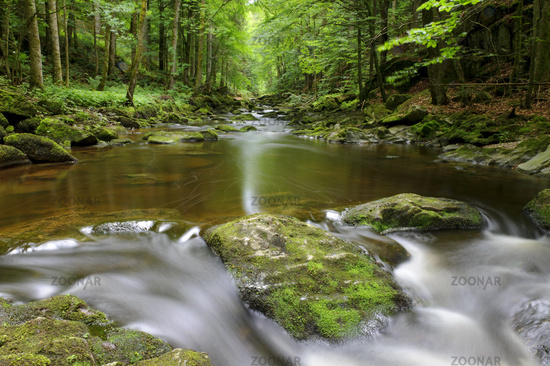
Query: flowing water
x=466 y=285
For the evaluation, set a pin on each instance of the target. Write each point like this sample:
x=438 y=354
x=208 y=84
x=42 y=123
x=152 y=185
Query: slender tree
x=137 y=57
x=175 y=27
x=200 y=47
x=54 y=42
x=36 y=79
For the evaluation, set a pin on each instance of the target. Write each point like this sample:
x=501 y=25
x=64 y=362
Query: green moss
x=164 y=138
x=244 y=117
x=310 y=281
x=226 y=128
x=539 y=210
x=209 y=135
x=60 y=132
x=248 y=129
x=25 y=359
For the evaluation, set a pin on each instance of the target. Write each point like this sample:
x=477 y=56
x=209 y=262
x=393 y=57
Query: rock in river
x=10 y=156
x=309 y=281
x=39 y=149
x=539 y=210
x=413 y=212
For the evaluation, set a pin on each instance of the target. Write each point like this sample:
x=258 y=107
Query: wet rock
x=174 y=118
x=120 y=142
x=128 y=122
x=127 y=346
x=396 y=100
x=167 y=138
x=408 y=117
x=539 y=210
x=536 y=164
x=105 y=134
x=178 y=357
x=10 y=156
x=209 y=135
x=60 y=132
x=248 y=129
x=405 y=212
x=532 y=323
x=244 y=117
x=39 y=149
x=226 y=128
x=309 y=281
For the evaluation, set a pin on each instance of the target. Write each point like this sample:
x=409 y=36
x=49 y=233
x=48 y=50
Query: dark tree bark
x=199 y=47
x=105 y=70
x=436 y=71
x=55 y=50
x=162 y=37
x=112 y=54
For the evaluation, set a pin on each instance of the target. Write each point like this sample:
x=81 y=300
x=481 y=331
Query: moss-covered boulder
x=10 y=156
x=28 y=125
x=15 y=107
x=174 y=118
x=52 y=106
x=209 y=135
x=539 y=210
x=248 y=129
x=3 y=133
x=178 y=357
x=147 y=111
x=3 y=121
x=39 y=149
x=408 y=117
x=127 y=346
x=409 y=211
x=61 y=307
x=538 y=164
x=244 y=117
x=128 y=122
x=60 y=132
x=167 y=138
x=306 y=279
x=226 y=128
x=64 y=331
x=395 y=100
x=104 y=133
x=121 y=142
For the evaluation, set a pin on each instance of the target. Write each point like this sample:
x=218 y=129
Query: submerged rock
x=309 y=281
x=539 y=210
x=539 y=164
x=209 y=135
x=409 y=211
x=39 y=149
x=248 y=129
x=10 y=156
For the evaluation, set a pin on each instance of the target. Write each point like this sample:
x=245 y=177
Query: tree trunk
x=518 y=27
x=66 y=43
x=209 y=59
x=104 y=72
x=384 y=14
x=360 y=63
x=374 y=55
x=200 y=47
x=48 y=41
x=540 y=62
x=36 y=79
x=162 y=37
x=112 y=54
x=436 y=71
x=175 y=26
x=51 y=12
x=139 y=49
x=5 y=35
x=97 y=27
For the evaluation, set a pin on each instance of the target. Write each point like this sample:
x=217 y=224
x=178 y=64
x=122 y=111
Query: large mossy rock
x=105 y=134
x=15 y=107
x=3 y=121
x=396 y=100
x=408 y=117
x=244 y=117
x=28 y=125
x=309 y=281
x=62 y=331
x=61 y=132
x=39 y=149
x=178 y=357
x=209 y=135
x=226 y=128
x=540 y=164
x=405 y=212
x=168 y=138
x=10 y=156
x=539 y=210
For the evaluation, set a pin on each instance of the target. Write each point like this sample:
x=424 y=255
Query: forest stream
x=467 y=285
